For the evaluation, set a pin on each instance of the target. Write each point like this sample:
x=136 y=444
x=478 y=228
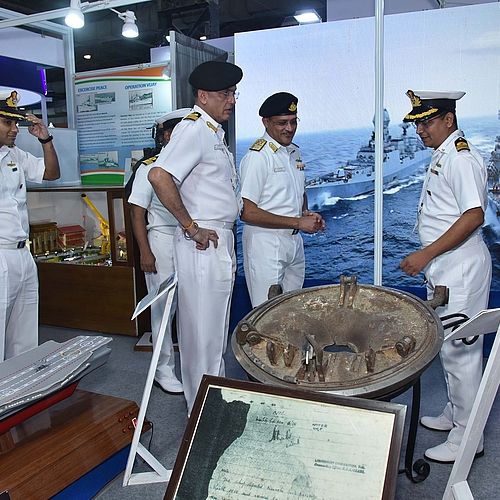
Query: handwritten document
x=277 y=448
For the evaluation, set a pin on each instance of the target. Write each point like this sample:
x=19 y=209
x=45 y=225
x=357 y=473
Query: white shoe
x=170 y=385
x=439 y=423
x=446 y=453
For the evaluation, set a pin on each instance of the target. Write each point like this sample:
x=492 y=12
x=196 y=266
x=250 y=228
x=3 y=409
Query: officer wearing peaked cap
x=154 y=228
x=18 y=279
x=450 y=214
x=196 y=179
x=275 y=203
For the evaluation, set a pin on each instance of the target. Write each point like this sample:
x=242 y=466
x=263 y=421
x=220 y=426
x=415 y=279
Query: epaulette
x=462 y=145
x=273 y=147
x=258 y=145
x=148 y=161
x=211 y=126
x=192 y=116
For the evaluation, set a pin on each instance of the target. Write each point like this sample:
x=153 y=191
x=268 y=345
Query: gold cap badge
x=292 y=107
x=415 y=100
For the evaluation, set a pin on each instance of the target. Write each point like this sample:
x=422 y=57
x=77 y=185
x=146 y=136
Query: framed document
x=246 y=440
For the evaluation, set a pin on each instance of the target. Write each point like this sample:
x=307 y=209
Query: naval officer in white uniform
x=196 y=179
x=450 y=214
x=18 y=276
x=275 y=203
x=155 y=238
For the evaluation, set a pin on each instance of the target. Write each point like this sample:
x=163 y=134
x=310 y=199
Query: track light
x=129 y=29
x=307 y=16
x=74 y=18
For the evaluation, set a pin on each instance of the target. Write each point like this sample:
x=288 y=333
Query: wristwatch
x=45 y=141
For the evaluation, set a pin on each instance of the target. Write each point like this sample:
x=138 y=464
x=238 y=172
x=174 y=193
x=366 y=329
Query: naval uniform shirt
x=144 y=196
x=16 y=167
x=203 y=169
x=456 y=182
x=272 y=180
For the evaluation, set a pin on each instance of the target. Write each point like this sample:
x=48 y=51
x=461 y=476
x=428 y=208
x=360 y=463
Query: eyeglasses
x=228 y=94
x=426 y=123
x=283 y=123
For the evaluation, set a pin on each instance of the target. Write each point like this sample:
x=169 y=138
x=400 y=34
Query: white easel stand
x=485 y=321
x=160 y=474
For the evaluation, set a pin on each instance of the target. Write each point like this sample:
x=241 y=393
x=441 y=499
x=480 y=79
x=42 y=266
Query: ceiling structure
x=101 y=35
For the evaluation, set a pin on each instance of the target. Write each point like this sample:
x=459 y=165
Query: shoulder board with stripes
x=192 y=116
x=150 y=160
x=461 y=144
x=258 y=145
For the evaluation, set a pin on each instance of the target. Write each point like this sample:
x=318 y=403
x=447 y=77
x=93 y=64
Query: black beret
x=215 y=75
x=281 y=103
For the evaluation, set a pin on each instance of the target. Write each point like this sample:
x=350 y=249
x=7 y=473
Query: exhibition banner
x=115 y=112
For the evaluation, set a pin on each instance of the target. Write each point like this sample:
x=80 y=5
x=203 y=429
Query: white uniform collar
x=276 y=145
x=451 y=138
x=206 y=117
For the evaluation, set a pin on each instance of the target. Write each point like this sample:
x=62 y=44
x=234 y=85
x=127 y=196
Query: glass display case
x=82 y=242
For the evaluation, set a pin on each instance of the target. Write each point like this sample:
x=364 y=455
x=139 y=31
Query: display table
x=46 y=453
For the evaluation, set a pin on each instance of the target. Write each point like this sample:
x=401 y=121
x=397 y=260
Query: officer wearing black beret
x=450 y=215
x=196 y=179
x=275 y=203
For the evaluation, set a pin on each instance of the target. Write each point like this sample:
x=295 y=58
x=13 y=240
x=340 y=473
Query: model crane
x=103 y=224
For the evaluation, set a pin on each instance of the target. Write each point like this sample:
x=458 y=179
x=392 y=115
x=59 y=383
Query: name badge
x=219 y=147
x=279 y=168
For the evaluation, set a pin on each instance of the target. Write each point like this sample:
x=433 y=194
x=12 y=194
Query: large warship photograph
x=403 y=157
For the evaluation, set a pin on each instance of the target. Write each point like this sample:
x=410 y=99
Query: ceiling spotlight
x=203 y=38
x=307 y=16
x=129 y=29
x=74 y=18
x=87 y=56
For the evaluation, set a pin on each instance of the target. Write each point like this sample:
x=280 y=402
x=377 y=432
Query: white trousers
x=205 y=285
x=18 y=302
x=162 y=246
x=272 y=257
x=467 y=273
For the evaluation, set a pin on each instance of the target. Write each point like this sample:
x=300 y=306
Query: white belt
x=285 y=231
x=215 y=223
x=13 y=246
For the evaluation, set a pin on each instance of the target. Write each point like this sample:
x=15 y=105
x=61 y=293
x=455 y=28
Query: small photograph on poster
x=138 y=99
x=86 y=103
x=108 y=159
x=105 y=98
x=136 y=155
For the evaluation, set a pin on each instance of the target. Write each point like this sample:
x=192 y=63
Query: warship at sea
x=494 y=175
x=403 y=157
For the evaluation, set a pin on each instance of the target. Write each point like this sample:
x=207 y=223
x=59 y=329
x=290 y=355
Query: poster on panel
x=115 y=111
x=330 y=68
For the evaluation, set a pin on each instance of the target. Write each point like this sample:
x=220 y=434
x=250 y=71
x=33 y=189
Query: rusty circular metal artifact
x=349 y=339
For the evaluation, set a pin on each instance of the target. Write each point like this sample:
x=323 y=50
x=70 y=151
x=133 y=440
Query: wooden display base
x=48 y=452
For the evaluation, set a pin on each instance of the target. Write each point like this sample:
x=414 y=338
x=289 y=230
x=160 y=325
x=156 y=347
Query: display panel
x=330 y=68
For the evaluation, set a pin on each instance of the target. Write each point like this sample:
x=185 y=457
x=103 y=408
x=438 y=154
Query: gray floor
x=124 y=375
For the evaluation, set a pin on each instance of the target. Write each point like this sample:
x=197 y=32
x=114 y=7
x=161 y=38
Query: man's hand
x=148 y=262
x=311 y=222
x=37 y=127
x=203 y=237
x=415 y=262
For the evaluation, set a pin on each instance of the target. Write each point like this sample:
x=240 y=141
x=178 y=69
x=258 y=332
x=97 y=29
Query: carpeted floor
x=124 y=375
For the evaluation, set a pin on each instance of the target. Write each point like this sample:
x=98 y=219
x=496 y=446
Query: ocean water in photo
x=346 y=246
